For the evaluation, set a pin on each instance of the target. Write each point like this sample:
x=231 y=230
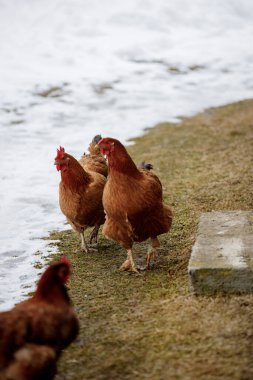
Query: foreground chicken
x=94 y=161
x=80 y=195
x=35 y=331
x=133 y=203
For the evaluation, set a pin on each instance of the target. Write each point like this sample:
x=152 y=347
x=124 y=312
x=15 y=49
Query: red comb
x=65 y=260
x=59 y=152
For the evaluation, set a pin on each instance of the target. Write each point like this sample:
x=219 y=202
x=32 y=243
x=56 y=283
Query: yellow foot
x=82 y=249
x=128 y=267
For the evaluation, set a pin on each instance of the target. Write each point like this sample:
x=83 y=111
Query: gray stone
x=222 y=256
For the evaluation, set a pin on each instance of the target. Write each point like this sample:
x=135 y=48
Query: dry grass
x=150 y=326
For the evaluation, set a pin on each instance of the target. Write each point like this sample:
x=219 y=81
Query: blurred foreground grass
x=150 y=326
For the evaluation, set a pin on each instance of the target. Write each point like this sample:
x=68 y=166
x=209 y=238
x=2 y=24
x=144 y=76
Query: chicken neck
x=50 y=289
x=120 y=161
x=75 y=176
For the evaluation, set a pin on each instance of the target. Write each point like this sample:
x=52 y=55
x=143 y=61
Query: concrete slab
x=222 y=256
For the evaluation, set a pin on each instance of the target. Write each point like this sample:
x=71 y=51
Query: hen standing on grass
x=35 y=331
x=80 y=195
x=133 y=203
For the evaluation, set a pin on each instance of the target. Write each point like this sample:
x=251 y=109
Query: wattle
x=105 y=152
x=61 y=167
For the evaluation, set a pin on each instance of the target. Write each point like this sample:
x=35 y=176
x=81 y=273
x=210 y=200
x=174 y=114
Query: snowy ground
x=72 y=69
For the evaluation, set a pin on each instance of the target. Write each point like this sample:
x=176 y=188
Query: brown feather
x=132 y=200
x=95 y=161
x=80 y=195
x=35 y=331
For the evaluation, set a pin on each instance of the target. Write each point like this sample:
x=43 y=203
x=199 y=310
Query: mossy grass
x=150 y=326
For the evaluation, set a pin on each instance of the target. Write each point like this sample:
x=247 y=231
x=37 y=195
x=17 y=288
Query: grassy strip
x=150 y=326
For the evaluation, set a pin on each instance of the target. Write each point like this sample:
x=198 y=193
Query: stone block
x=222 y=256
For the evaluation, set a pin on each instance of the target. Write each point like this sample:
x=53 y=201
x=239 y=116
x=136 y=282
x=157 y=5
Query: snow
x=119 y=66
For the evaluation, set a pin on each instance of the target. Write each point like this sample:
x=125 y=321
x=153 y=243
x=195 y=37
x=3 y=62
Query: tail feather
x=94 y=161
x=145 y=166
x=167 y=216
x=93 y=147
x=96 y=139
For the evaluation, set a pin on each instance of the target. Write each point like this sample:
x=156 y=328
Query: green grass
x=150 y=326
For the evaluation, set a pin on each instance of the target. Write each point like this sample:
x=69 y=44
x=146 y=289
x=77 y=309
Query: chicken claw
x=129 y=265
x=86 y=247
x=82 y=249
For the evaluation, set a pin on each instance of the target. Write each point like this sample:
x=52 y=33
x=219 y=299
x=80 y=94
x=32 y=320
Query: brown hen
x=133 y=203
x=80 y=196
x=35 y=331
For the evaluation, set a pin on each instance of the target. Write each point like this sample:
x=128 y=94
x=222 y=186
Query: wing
x=91 y=207
x=13 y=332
x=134 y=208
x=47 y=324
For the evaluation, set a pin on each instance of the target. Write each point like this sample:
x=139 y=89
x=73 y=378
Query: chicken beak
x=58 y=165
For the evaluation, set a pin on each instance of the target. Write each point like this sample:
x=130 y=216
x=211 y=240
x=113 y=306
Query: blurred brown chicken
x=94 y=161
x=80 y=195
x=133 y=203
x=35 y=331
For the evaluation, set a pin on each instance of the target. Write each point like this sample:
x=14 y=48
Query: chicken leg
x=129 y=264
x=152 y=252
x=84 y=245
x=94 y=234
